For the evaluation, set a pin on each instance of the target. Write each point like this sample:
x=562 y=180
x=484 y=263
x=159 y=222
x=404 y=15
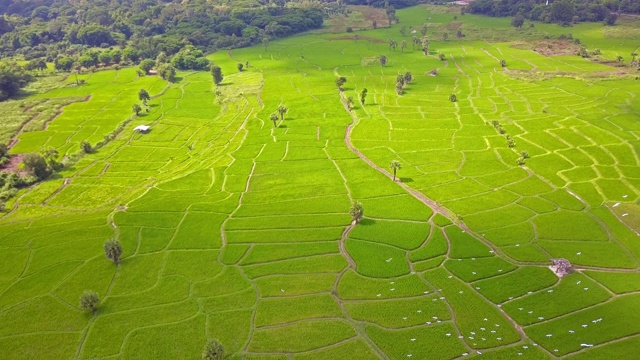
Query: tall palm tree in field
x=395 y=166
x=274 y=118
x=282 y=110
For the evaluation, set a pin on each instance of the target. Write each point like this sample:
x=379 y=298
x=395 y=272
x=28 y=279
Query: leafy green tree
x=240 y=67
x=12 y=78
x=400 y=80
x=36 y=165
x=442 y=57
x=395 y=166
x=167 y=72
x=116 y=55
x=105 y=57
x=216 y=72
x=383 y=60
x=213 y=350
x=113 y=250
x=620 y=59
x=518 y=21
x=89 y=301
x=453 y=98
x=136 y=109
x=85 y=146
x=350 y=103
x=503 y=63
x=356 y=211
x=562 y=11
x=144 y=96
x=274 y=118
x=363 y=95
x=146 y=65
x=282 y=110
x=611 y=19
x=64 y=63
x=340 y=81
x=408 y=77
x=403 y=45
x=130 y=54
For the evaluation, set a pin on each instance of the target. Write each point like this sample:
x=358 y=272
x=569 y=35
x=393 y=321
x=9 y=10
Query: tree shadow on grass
x=282 y=126
x=405 y=179
x=367 y=222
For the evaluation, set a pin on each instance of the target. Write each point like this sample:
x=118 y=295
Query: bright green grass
x=567 y=296
x=399 y=313
x=301 y=336
x=230 y=227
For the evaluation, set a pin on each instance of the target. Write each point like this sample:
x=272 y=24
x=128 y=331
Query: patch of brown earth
x=454 y=25
x=371 y=14
x=556 y=48
x=357 y=37
x=12 y=165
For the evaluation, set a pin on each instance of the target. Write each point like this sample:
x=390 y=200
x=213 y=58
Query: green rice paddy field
x=236 y=230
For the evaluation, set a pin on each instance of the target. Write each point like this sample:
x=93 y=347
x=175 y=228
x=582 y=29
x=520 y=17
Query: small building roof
x=141 y=128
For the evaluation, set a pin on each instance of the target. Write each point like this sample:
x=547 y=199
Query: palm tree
x=113 y=250
x=274 y=118
x=395 y=165
x=89 y=301
x=213 y=350
x=282 y=110
x=356 y=211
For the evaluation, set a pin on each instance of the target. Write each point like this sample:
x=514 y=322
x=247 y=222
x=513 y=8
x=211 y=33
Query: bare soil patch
x=12 y=165
x=556 y=48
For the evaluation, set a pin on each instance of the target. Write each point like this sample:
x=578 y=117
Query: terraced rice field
x=238 y=230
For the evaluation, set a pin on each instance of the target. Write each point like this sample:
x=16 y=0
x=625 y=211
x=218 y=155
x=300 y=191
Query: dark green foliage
x=216 y=72
x=12 y=78
x=356 y=211
x=213 y=350
x=341 y=81
x=518 y=20
x=167 y=72
x=363 y=95
x=136 y=109
x=383 y=60
x=144 y=96
x=190 y=58
x=561 y=11
x=89 y=301
x=36 y=165
x=146 y=65
x=113 y=251
x=85 y=146
x=240 y=67
x=453 y=98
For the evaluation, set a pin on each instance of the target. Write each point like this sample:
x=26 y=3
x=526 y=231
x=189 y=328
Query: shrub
x=213 y=350
x=89 y=301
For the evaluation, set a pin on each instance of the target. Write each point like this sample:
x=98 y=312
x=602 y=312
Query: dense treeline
x=560 y=11
x=12 y=78
x=398 y=4
x=50 y=28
